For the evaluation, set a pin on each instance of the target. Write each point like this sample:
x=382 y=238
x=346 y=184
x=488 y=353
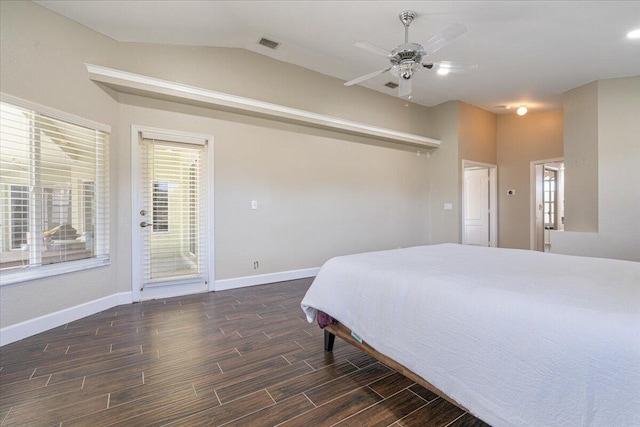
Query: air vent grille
x=268 y=43
x=391 y=85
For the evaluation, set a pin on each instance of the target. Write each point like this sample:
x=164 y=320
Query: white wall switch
x=254 y=204
x=448 y=207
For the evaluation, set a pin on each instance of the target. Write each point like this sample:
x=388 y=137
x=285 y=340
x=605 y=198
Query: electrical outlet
x=254 y=204
x=256 y=264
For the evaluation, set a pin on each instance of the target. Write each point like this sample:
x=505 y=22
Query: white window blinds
x=53 y=193
x=173 y=246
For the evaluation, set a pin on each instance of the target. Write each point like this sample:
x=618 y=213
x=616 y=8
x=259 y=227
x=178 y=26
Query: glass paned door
x=173 y=212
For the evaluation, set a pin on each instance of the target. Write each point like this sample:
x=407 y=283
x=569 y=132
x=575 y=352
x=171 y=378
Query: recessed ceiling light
x=635 y=34
x=443 y=71
x=522 y=110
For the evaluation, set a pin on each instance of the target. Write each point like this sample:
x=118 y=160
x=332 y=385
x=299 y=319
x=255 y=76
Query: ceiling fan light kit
x=635 y=34
x=407 y=59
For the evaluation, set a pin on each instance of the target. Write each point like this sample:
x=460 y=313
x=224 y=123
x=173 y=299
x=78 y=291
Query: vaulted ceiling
x=527 y=52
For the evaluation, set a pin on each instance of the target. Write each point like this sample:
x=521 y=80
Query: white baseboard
x=43 y=323
x=31 y=327
x=262 y=279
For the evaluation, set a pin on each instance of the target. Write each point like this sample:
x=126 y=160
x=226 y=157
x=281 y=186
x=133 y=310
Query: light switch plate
x=448 y=206
x=254 y=204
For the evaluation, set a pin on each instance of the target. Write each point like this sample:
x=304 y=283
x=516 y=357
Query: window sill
x=10 y=277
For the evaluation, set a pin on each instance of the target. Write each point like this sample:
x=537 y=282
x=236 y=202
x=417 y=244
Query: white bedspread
x=520 y=338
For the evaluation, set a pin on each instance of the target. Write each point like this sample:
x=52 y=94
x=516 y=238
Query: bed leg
x=329 y=339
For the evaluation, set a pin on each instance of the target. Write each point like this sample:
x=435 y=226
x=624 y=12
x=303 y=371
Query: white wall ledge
x=123 y=81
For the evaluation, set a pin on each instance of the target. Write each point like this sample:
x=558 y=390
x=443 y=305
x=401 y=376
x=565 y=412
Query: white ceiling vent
x=268 y=43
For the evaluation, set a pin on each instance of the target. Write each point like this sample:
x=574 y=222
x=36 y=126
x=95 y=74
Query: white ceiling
x=528 y=52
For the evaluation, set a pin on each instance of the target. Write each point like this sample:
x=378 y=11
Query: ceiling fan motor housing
x=406 y=59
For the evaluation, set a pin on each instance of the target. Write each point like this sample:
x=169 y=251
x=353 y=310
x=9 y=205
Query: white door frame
x=493 y=200
x=532 y=197
x=136 y=267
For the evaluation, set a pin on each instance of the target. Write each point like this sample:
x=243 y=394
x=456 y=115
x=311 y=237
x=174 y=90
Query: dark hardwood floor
x=244 y=357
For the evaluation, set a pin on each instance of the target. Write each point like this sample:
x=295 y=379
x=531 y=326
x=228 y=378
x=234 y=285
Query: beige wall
x=444 y=175
x=477 y=141
x=618 y=156
x=320 y=193
x=581 y=151
x=618 y=180
x=42 y=59
x=477 y=135
x=521 y=140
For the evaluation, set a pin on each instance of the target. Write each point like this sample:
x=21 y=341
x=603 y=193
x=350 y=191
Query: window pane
x=54 y=190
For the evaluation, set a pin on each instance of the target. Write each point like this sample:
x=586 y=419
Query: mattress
x=520 y=338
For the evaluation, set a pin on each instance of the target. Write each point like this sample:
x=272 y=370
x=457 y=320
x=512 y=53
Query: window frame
x=18 y=275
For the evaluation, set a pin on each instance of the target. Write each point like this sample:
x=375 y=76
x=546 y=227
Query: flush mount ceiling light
x=635 y=34
x=522 y=110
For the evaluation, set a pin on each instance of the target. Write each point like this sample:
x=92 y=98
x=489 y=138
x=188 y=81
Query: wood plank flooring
x=244 y=357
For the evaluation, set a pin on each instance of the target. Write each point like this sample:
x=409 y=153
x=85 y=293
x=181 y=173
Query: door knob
x=144 y=224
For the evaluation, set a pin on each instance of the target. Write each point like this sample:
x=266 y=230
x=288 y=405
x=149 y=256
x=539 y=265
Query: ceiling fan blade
x=452 y=67
x=372 y=48
x=366 y=77
x=442 y=39
x=405 y=87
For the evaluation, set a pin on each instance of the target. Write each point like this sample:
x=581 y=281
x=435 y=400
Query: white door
x=539 y=237
x=547 y=202
x=476 y=221
x=171 y=215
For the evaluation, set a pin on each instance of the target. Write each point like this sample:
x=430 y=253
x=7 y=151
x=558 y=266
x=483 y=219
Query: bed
x=518 y=338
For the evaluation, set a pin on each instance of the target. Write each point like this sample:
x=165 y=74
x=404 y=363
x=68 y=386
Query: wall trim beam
x=125 y=82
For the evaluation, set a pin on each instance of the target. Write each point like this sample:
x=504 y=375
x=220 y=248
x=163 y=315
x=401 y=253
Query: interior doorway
x=547 y=202
x=479 y=204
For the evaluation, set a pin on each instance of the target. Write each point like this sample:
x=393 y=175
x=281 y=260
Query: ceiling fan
x=406 y=59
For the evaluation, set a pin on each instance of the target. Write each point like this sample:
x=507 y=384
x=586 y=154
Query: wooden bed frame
x=338 y=329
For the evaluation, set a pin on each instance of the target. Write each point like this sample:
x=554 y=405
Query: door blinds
x=172 y=241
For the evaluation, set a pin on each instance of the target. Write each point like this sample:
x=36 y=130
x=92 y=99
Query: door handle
x=144 y=224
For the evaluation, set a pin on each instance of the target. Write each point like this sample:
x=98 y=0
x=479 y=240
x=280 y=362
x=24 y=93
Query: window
x=550 y=178
x=53 y=193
